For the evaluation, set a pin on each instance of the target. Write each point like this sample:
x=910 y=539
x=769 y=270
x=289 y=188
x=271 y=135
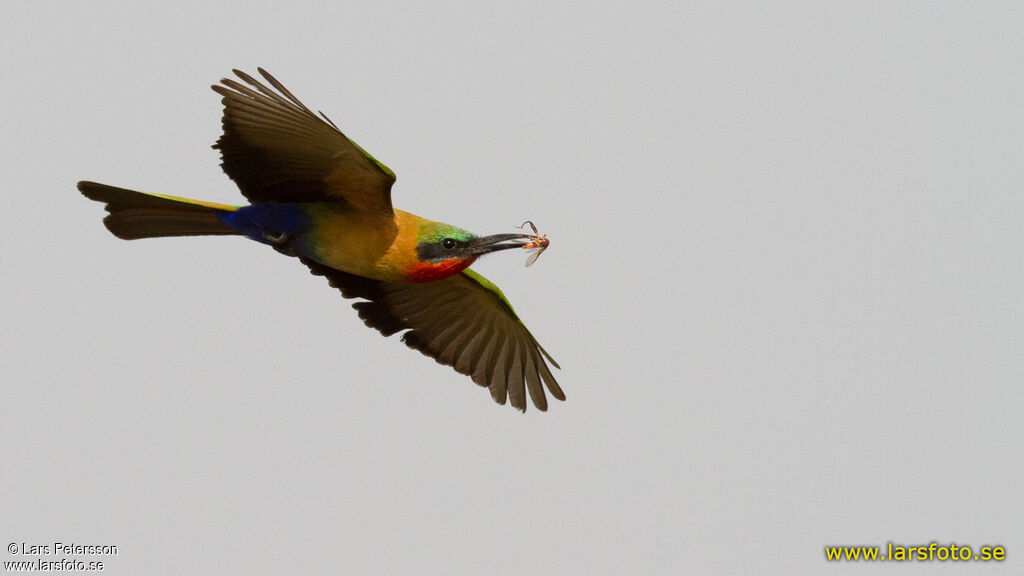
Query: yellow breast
x=369 y=245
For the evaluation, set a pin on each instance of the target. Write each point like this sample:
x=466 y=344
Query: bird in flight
x=316 y=195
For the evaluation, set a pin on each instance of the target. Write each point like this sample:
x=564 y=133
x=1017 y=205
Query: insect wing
x=535 y=253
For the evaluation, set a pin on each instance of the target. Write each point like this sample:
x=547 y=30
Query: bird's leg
x=275 y=239
x=280 y=241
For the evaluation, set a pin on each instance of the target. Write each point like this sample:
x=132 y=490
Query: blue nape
x=270 y=220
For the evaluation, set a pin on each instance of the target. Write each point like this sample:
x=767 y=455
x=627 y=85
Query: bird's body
x=378 y=247
x=320 y=197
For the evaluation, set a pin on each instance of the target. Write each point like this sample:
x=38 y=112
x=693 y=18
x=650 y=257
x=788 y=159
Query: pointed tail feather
x=135 y=215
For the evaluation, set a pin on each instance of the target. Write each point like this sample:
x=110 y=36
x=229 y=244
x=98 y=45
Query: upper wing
x=463 y=321
x=277 y=150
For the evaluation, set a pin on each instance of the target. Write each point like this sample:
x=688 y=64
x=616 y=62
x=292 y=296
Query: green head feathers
x=438 y=241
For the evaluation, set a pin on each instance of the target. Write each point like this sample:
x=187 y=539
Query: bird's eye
x=448 y=243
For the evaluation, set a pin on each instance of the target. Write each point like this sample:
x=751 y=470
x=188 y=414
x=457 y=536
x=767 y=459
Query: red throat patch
x=432 y=271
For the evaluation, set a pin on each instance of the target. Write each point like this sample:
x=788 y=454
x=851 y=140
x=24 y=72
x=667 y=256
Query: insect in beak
x=537 y=242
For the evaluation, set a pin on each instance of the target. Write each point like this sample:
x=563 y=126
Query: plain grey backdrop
x=785 y=287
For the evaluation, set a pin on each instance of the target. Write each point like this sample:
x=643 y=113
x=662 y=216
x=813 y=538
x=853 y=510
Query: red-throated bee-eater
x=319 y=196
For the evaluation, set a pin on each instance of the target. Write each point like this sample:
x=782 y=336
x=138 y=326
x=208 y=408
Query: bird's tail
x=136 y=215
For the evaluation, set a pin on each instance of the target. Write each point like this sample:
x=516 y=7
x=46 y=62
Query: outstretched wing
x=277 y=150
x=464 y=322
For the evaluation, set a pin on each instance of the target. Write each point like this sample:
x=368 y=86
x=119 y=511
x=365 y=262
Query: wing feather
x=499 y=376
x=277 y=150
x=482 y=365
x=461 y=321
x=467 y=347
x=515 y=382
x=533 y=384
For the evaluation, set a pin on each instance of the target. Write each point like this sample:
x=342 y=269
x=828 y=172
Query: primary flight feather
x=319 y=196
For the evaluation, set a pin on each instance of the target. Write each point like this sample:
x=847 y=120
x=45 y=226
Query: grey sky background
x=785 y=287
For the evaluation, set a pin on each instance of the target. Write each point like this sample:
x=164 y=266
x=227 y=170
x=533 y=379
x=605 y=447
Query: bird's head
x=443 y=250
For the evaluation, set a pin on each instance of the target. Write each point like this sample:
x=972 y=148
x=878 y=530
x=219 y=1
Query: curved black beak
x=487 y=244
